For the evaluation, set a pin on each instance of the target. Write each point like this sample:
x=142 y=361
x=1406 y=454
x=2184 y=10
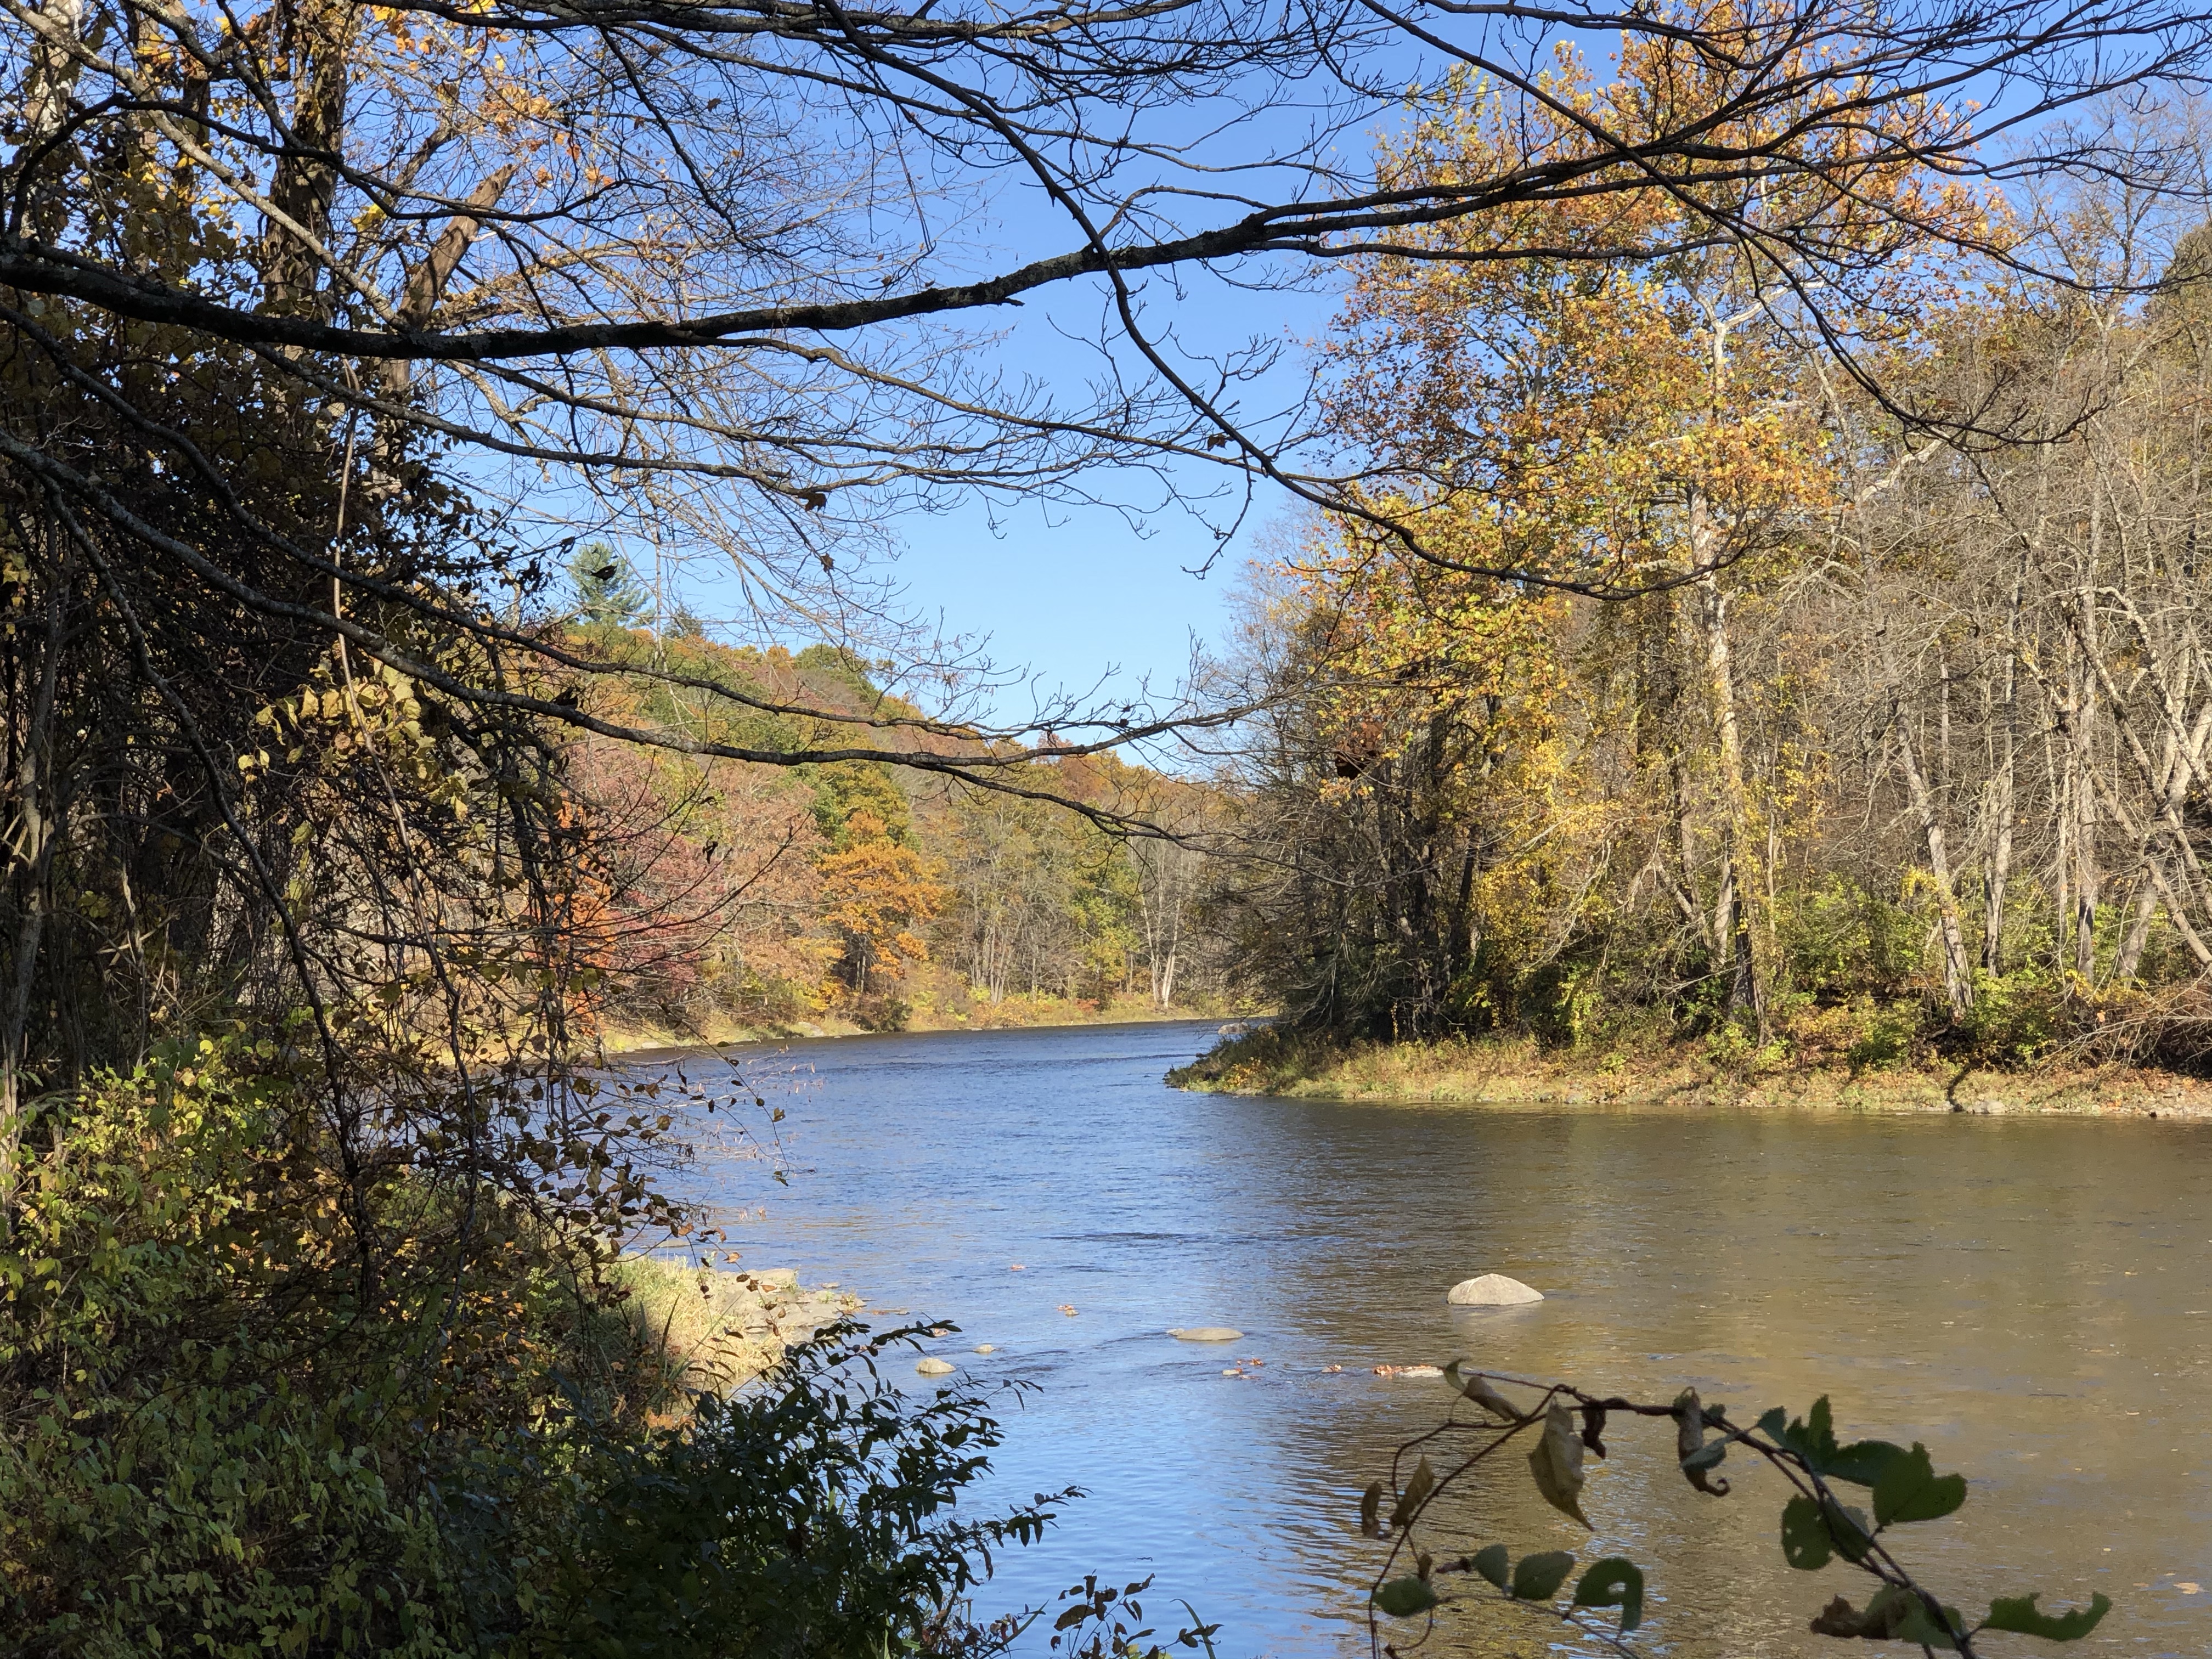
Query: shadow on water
x=2030 y=1297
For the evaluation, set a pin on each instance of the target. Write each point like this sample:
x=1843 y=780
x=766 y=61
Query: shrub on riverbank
x=223 y=1430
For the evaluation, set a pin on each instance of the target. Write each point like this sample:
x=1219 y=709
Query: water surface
x=2029 y=1296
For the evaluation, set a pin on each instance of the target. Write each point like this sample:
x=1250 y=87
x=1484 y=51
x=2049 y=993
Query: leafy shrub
x=809 y=1516
x=1840 y=939
x=217 y=1435
x=2017 y=1018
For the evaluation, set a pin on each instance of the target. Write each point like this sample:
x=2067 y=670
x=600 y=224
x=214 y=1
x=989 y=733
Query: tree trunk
x=1958 y=975
x=318 y=35
x=1731 y=937
x=2005 y=803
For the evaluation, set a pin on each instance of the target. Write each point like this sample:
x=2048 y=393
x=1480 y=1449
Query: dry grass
x=1509 y=1072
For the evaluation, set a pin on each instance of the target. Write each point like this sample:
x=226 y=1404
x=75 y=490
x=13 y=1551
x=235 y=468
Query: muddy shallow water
x=2033 y=1298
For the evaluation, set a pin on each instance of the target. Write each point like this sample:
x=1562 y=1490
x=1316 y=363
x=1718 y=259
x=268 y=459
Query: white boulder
x=932 y=1366
x=1492 y=1291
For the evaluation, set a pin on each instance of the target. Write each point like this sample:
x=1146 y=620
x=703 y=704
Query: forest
x=1739 y=710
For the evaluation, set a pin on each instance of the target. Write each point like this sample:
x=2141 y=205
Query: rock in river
x=1492 y=1291
x=932 y=1366
x=1207 y=1334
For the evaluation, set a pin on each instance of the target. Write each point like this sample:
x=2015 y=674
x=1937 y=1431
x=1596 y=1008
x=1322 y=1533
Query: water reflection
x=2031 y=1297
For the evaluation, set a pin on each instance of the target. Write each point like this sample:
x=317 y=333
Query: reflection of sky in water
x=2030 y=1297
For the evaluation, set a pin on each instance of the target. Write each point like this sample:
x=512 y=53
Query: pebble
x=932 y=1366
x=985 y=1347
x=1492 y=1291
x=1207 y=1334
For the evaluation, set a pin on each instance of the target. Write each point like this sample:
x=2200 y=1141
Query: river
x=2033 y=1298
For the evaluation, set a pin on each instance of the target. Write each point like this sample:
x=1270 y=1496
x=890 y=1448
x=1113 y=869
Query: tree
x=683 y=261
x=607 y=588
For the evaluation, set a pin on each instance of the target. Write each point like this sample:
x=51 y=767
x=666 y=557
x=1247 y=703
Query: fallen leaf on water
x=1014 y=1268
x=1232 y=1373
x=1068 y=1308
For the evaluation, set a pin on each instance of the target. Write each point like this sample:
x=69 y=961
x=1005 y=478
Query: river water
x=2033 y=1298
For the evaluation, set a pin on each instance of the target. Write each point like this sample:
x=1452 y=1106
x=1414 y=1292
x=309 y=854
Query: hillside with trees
x=734 y=895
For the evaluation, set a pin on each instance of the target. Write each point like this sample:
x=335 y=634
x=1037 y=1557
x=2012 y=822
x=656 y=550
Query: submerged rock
x=1207 y=1334
x=932 y=1366
x=985 y=1347
x=1492 y=1291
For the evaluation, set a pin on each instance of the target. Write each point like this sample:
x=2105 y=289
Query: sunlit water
x=2029 y=1296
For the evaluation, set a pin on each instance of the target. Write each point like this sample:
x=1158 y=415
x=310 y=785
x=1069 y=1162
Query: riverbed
x=2031 y=1298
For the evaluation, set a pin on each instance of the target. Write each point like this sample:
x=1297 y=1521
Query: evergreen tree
x=607 y=587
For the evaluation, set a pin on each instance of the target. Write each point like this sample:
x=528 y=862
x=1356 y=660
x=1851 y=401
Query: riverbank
x=621 y=1035
x=717 y=1329
x=1506 y=1072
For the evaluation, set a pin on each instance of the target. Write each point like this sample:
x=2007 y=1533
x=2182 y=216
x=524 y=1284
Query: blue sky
x=1072 y=592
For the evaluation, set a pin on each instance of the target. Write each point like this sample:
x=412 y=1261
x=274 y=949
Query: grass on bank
x=2030 y=1046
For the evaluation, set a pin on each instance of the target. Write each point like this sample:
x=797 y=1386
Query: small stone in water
x=1233 y=1371
x=1207 y=1334
x=1492 y=1291
x=985 y=1347
x=932 y=1366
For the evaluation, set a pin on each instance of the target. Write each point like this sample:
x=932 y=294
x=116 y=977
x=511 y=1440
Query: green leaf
x=1848 y=1530
x=1805 y=1541
x=2020 y=1614
x=1556 y=1464
x=1371 y=1510
x=1771 y=1424
x=1537 y=1577
x=1862 y=1463
x=1614 y=1582
x=1910 y=1490
x=1914 y=1624
x=1402 y=1598
x=1490 y=1562
x=1813 y=1437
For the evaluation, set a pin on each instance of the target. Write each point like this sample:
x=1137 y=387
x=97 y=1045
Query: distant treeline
x=728 y=891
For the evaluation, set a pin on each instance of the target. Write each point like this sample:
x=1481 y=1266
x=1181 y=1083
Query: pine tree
x=607 y=587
